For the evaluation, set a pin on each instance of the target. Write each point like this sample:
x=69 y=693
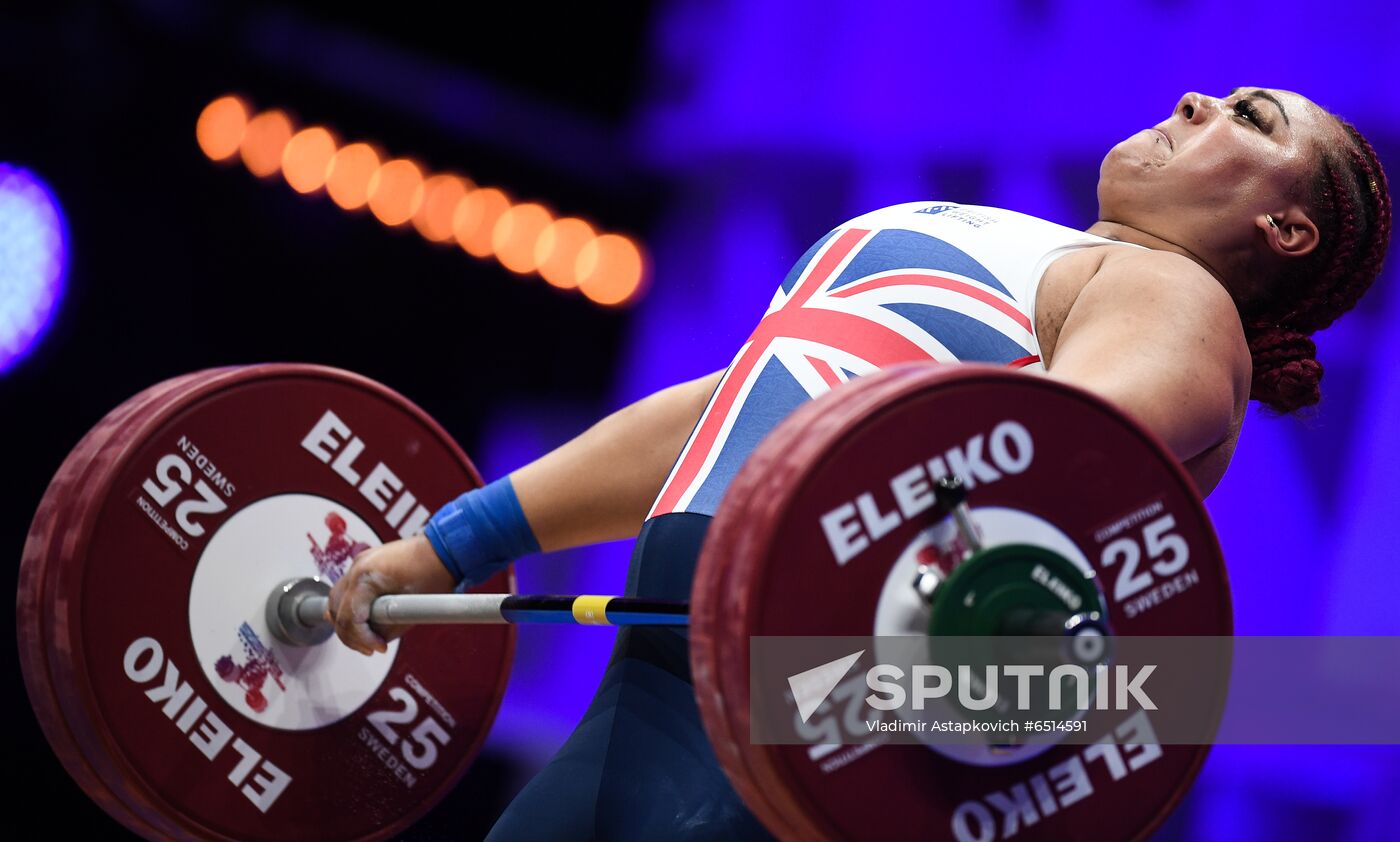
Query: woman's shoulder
x=1111 y=283
x=1164 y=286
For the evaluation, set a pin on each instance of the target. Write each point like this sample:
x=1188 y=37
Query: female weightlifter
x=1227 y=235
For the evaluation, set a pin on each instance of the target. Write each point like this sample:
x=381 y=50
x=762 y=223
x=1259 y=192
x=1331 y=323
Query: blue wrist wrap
x=481 y=532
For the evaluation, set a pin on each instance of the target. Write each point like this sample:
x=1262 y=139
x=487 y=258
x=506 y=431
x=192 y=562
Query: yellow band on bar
x=591 y=610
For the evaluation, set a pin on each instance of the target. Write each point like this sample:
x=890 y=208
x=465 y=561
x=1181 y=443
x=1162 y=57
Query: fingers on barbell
x=352 y=613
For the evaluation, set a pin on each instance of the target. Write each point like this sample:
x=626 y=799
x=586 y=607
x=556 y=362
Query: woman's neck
x=1128 y=234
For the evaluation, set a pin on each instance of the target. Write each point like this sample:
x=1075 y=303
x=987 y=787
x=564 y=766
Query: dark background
x=178 y=264
x=725 y=136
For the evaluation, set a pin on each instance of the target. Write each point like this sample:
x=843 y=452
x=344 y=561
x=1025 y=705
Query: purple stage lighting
x=33 y=256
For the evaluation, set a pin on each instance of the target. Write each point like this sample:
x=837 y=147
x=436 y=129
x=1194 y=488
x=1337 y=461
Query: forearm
x=597 y=487
x=600 y=485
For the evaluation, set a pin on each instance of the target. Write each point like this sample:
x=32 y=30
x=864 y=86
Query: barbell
x=174 y=578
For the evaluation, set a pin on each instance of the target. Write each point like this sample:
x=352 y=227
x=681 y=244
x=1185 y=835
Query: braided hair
x=1350 y=198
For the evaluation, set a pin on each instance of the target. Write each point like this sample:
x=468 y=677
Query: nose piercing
x=1270 y=219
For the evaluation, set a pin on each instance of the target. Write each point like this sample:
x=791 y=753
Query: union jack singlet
x=918 y=281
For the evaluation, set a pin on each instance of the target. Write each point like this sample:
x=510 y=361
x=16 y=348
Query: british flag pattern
x=925 y=281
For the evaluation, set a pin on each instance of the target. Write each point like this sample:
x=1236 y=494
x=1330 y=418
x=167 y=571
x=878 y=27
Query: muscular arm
x=596 y=487
x=599 y=486
x=1160 y=338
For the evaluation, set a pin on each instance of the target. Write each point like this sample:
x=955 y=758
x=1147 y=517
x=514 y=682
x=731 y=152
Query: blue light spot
x=33 y=257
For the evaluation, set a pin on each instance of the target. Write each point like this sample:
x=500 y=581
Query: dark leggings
x=639 y=765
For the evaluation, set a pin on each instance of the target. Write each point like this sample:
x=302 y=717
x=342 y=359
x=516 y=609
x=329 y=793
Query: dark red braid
x=1350 y=200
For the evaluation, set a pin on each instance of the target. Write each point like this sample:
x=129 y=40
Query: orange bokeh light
x=220 y=127
x=475 y=218
x=514 y=234
x=609 y=269
x=557 y=248
x=395 y=191
x=263 y=141
x=306 y=158
x=439 y=197
x=347 y=178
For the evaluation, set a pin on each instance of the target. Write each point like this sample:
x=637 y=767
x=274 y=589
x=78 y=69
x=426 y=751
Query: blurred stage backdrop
x=703 y=146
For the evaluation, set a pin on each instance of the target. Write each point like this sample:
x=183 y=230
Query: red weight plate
x=714 y=704
x=1091 y=468
x=158 y=648
x=121 y=433
x=32 y=604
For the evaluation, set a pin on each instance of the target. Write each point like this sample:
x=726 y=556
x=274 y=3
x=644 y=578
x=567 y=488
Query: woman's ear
x=1290 y=233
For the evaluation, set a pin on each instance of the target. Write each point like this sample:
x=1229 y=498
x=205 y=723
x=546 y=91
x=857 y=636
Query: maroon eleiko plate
x=50 y=524
x=1092 y=477
x=184 y=712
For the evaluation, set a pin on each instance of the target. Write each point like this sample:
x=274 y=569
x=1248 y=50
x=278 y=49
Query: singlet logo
x=959 y=213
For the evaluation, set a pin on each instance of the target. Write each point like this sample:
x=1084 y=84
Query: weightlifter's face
x=1204 y=177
